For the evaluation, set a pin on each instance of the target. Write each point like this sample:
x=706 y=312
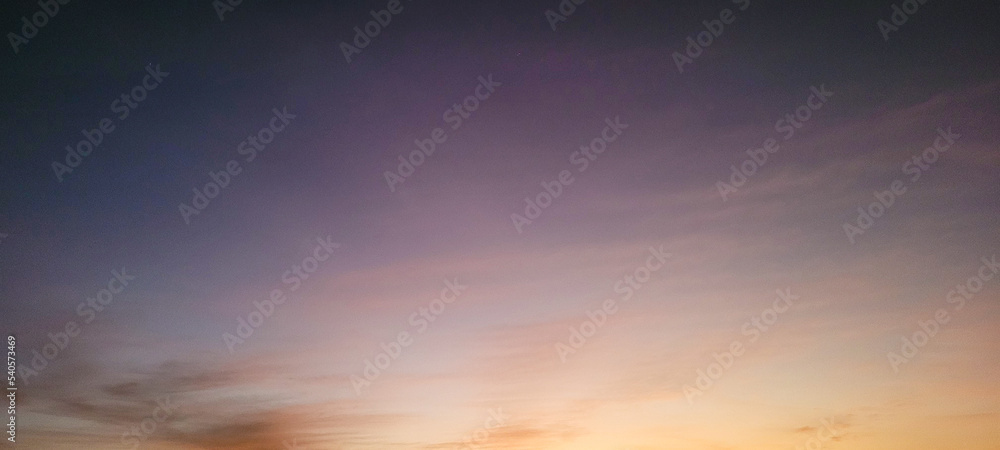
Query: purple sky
x=646 y=305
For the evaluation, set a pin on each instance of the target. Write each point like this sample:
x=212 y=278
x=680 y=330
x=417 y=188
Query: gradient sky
x=822 y=367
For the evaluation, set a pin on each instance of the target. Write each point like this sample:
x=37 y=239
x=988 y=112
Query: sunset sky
x=583 y=261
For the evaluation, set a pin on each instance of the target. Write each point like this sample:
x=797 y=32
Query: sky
x=737 y=224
